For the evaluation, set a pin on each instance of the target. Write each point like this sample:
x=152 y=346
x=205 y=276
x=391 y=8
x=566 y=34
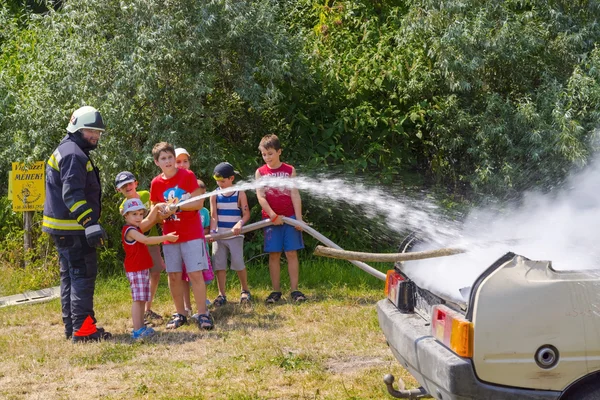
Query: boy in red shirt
x=173 y=186
x=138 y=260
x=276 y=203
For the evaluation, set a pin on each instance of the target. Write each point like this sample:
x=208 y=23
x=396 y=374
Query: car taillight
x=391 y=279
x=400 y=291
x=453 y=330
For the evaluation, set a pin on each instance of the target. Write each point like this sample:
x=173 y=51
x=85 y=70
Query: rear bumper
x=440 y=371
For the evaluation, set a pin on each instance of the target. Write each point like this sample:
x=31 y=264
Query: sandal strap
x=296 y=294
x=205 y=321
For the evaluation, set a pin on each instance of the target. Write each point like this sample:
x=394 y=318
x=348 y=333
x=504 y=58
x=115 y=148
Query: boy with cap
x=138 y=260
x=229 y=210
x=126 y=183
x=175 y=186
x=276 y=203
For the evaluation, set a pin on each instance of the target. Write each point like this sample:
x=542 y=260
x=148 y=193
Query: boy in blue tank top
x=228 y=210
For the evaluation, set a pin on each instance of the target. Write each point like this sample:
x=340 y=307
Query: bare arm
x=196 y=204
x=151 y=219
x=262 y=200
x=243 y=199
x=213 y=213
x=296 y=201
x=243 y=204
x=133 y=234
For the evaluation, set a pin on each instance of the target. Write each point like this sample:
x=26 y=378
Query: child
x=229 y=211
x=126 y=183
x=182 y=160
x=276 y=203
x=138 y=260
x=175 y=185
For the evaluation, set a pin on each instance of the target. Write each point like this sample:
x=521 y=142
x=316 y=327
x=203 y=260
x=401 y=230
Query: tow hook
x=403 y=393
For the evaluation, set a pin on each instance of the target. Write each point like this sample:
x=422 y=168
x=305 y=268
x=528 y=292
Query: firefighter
x=71 y=214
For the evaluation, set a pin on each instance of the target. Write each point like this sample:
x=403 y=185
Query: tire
x=588 y=390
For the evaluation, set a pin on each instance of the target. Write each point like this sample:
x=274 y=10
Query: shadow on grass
x=233 y=317
x=167 y=337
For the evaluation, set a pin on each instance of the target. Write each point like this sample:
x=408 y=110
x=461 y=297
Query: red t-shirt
x=137 y=256
x=279 y=200
x=181 y=186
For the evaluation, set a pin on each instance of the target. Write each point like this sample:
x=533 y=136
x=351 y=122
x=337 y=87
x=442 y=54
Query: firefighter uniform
x=71 y=213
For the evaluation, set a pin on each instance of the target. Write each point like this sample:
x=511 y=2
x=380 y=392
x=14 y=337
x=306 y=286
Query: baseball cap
x=180 y=150
x=132 y=205
x=123 y=178
x=224 y=170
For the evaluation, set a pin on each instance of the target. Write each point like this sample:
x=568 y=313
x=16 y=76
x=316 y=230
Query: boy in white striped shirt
x=228 y=210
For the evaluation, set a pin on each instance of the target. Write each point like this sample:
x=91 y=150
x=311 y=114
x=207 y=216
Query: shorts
x=233 y=246
x=157 y=260
x=284 y=237
x=192 y=253
x=139 y=282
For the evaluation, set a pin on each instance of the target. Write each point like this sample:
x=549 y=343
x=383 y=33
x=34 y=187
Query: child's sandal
x=205 y=321
x=273 y=298
x=220 y=301
x=245 y=297
x=298 y=296
x=177 y=321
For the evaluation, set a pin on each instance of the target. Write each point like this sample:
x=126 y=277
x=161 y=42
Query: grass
x=328 y=348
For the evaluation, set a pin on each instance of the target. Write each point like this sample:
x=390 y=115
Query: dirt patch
x=352 y=364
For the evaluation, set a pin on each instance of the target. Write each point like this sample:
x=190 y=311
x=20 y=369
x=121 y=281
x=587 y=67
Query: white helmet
x=86 y=117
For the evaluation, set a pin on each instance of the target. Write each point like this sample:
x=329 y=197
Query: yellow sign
x=28 y=186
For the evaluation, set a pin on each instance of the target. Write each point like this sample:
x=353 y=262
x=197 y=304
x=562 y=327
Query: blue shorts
x=284 y=237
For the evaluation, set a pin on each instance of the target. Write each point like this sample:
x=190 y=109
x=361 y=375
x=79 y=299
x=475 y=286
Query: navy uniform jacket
x=73 y=191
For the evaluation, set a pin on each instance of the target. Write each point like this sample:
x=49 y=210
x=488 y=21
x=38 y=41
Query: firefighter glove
x=95 y=235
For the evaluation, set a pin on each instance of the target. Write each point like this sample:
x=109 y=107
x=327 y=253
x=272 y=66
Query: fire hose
x=290 y=221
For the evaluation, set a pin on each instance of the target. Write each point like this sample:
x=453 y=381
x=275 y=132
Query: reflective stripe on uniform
x=83 y=214
x=77 y=205
x=54 y=160
x=61 y=224
x=88 y=166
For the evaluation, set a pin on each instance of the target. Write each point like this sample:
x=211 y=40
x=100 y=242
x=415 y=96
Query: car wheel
x=585 y=391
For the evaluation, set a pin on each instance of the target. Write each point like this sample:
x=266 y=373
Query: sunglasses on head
x=218 y=177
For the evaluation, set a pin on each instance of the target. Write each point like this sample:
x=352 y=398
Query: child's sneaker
x=143 y=332
x=176 y=321
x=204 y=321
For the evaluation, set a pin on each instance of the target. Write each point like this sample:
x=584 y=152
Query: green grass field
x=328 y=348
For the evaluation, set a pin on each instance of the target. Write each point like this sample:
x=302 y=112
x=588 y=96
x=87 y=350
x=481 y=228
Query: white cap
x=180 y=150
x=132 y=205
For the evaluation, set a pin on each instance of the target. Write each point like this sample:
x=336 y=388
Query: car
x=523 y=330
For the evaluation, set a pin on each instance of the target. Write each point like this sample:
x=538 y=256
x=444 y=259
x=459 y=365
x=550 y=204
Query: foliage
x=476 y=94
x=196 y=74
x=24 y=270
x=476 y=97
